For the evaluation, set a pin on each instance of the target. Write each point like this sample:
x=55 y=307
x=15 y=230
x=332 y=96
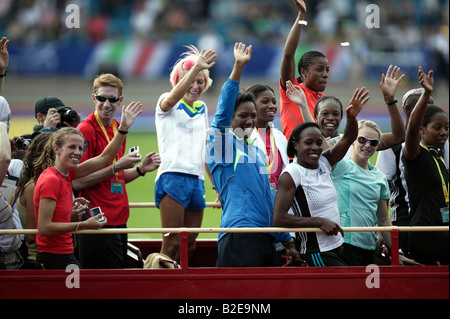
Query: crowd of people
x=307 y=175
x=407 y=22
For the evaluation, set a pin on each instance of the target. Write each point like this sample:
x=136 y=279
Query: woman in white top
x=306 y=196
x=181 y=127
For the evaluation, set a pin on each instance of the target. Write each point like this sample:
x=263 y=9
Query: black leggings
x=102 y=251
x=246 y=250
x=332 y=258
x=56 y=261
x=429 y=248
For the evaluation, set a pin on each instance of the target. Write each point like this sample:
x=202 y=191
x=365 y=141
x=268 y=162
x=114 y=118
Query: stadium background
x=141 y=39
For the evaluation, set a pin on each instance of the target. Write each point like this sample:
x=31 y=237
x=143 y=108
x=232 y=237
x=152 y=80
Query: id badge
x=117 y=186
x=444 y=214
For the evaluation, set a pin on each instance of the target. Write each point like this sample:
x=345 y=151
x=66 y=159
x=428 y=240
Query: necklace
x=60 y=173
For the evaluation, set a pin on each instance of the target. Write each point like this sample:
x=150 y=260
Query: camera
x=95 y=211
x=23 y=144
x=134 y=149
x=68 y=116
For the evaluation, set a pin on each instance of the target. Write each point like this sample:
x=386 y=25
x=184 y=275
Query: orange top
x=291 y=116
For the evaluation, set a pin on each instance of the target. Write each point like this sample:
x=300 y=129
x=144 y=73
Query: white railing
x=183 y=231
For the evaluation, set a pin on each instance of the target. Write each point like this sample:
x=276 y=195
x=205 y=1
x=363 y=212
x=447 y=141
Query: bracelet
x=123 y=132
x=78 y=225
x=138 y=170
x=391 y=103
x=3 y=75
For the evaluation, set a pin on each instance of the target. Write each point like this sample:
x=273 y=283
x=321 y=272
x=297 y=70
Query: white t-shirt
x=182 y=133
x=15 y=169
x=8 y=243
x=321 y=199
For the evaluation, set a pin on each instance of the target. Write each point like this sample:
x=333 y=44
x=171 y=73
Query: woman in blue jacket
x=239 y=172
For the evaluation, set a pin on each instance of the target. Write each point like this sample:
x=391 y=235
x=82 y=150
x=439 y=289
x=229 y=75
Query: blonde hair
x=370 y=124
x=107 y=79
x=184 y=64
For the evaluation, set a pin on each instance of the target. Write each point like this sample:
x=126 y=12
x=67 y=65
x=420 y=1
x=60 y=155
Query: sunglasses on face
x=363 y=140
x=113 y=99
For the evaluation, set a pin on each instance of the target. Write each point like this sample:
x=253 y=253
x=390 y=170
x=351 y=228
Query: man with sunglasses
x=106 y=188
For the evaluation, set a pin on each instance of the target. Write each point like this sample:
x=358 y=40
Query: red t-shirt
x=114 y=205
x=291 y=116
x=52 y=185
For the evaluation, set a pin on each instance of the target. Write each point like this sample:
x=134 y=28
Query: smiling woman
x=53 y=196
x=306 y=196
x=268 y=137
x=369 y=207
x=245 y=193
x=244 y=117
x=181 y=121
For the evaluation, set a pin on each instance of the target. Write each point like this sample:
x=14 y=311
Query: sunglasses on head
x=363 y=140
x=113 y=99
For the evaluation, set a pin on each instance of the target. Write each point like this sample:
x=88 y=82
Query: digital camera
x=68 y=116
x=23 y=144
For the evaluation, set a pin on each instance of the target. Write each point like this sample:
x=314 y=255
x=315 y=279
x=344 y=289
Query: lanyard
x=272 y=150
x=444 y=186
x=114 y=126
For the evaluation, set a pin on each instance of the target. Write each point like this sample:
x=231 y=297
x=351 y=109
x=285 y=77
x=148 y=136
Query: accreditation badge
x=444 y=214
x=117 y=186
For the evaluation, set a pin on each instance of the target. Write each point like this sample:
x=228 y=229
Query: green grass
x=143 y=190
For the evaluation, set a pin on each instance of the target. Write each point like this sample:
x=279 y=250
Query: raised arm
x=389 y=84
x=125 y=162
x=230 y=90
x=242 y=55
x=296 y=95
x=4 y=60
x=108 y=155
x=287 y=72
x=338 y=151
x=204 y=61
x=413 y=135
